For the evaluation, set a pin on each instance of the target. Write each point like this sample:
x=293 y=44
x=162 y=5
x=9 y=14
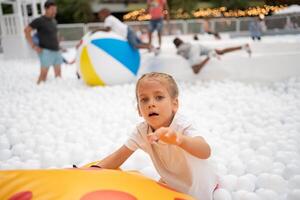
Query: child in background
x=111 y=23
x=177 y=150
x=194 y=53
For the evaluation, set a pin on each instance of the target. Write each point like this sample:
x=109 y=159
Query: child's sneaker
x=246 y=47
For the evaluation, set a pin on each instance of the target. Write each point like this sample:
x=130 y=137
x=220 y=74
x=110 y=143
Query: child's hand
x=152 y=138
x=167 y=135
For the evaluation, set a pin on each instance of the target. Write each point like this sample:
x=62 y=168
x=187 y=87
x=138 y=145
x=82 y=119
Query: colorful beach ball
x=104 y=58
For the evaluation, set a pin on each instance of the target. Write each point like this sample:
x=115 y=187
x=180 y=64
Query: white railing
x=276 y=24
x=280 y=24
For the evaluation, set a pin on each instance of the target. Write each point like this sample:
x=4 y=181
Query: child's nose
x=152 y=103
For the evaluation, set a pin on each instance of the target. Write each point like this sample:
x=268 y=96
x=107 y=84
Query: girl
x=177 y=150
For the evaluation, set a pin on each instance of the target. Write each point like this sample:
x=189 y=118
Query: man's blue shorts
x=132 y=38
x=50 y=57
x=156 y=24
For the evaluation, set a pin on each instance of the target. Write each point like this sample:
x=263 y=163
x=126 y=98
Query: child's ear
x=175 y=105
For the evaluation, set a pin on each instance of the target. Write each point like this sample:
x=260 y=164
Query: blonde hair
x=161 y=77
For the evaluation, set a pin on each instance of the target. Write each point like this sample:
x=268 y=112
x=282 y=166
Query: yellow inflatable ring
x=73 y=184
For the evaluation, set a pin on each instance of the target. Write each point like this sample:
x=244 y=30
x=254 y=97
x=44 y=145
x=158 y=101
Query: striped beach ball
x=104 y=58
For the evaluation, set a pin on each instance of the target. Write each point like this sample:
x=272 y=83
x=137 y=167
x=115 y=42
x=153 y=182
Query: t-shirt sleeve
x=183 y=125
x=108 y=22
x=191 y=131
x=133 y=141
x=184 y=50
x=194 y=57
x=35 y=23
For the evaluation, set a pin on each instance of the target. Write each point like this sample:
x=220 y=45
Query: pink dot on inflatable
x=179 y=199
x=25 y=195
x=108 y=194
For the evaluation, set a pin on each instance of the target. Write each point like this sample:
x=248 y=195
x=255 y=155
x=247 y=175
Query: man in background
x=48 y=46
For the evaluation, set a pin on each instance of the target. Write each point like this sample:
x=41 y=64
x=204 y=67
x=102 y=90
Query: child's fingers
x=152 y=138
x=178 y=138
x=161 y=131
x=169 y=133
x=166 y=134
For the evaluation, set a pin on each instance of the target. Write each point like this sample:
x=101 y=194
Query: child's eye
x=159 y=97
x=143 y=100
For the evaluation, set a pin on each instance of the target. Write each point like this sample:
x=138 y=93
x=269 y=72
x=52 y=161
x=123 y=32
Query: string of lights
x=141 y=15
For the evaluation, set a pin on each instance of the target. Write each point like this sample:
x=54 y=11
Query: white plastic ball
x=294 y=182
x=293 y=195
x=5 y=154
x=228 y=182
x=245 y=183
x=236 y=168
x=267 y=194
x=222 y=194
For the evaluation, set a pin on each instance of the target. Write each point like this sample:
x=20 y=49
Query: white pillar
x=34 y=9
x=1 y=27
x=19 y=16
x=42 y=6
x=16 y=38
x=1 y=21
x=1 y=13
x=24 y=13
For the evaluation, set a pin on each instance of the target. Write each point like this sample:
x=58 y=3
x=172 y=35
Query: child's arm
x=28 y=37
x=116 y=159
x=197 y=67
x=196 y=146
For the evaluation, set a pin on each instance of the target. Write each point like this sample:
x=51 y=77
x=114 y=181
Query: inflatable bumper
x=72 y=184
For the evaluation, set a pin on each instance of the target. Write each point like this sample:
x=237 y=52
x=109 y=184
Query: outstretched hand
x=167 y=135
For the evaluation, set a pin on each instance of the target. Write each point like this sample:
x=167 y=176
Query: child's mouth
x=153 y=114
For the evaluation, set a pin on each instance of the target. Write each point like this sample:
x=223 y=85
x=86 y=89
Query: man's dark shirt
x=47 y=32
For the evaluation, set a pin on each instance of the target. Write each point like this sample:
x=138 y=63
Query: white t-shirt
x=178 y=168
x=116 y=25
x=193 y=52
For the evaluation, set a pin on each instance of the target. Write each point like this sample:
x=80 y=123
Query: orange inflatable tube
x=73 y=184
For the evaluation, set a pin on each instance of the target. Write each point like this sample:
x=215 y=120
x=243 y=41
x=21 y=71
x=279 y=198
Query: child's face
x=155 y=104
x=102 y=15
